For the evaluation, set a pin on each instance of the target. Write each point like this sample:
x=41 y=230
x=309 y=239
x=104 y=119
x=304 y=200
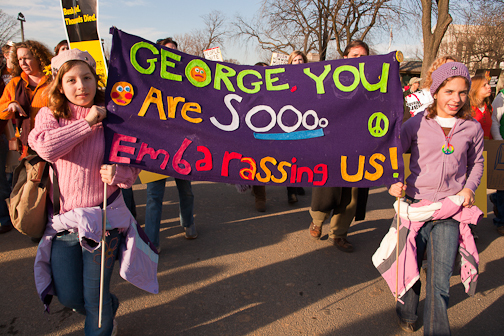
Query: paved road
x=251 y=273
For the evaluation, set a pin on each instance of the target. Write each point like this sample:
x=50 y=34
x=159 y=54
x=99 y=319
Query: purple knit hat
x=446 y=71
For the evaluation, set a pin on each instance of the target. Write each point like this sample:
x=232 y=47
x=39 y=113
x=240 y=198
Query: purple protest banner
x=331 y=123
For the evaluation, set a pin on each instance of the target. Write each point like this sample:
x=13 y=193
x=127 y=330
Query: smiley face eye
x=202 y=71
x=197 y=70
x=127 y=89
x=119 y=88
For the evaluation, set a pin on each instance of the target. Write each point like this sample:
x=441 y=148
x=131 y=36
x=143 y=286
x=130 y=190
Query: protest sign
x=81 y=23
x=492 y=75
x=495 y=164
x=418 y=101
x=213 y=54
x=279 y=59
x=332 y=123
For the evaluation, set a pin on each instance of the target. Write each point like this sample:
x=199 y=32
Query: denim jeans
x=5 y=187
x=498 y=201
x=76 y=279
x=440 y=238
x=154 y=207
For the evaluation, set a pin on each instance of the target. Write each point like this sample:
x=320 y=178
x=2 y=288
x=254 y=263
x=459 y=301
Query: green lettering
x=270 y=81
x=165 y=63
x=319 y=80
x=198 y=73
x=222 y=73
x=256 y=85
x=351 y=69
x=382 y=84
x=151 y=61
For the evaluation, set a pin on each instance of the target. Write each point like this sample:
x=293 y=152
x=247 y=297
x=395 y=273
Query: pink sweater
x=76 y=151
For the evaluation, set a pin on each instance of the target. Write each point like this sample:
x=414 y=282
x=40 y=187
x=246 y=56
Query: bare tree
x=478 y=41
x=212 y=35
x=9 y=27
x=309 y=25
x=189 y=43
x=432 y=36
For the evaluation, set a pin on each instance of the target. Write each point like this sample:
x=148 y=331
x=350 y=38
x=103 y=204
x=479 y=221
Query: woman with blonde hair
x=297 y=57
x=480 y=103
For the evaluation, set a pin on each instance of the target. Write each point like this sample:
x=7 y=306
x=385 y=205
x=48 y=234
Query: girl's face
x=79 y=85
x=27 y=62
x=485 y=90
x=451 y=97
x=298 y=60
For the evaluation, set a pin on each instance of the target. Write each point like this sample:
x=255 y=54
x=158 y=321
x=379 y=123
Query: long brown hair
x=463 y=113
x=476 y=83
x=41 y=53
x=58 y=102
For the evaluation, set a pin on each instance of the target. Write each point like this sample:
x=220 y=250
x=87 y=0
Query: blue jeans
x=154 y=207
x=76 y=279
x=5 y=187
x=440 y=239
x=498 y=201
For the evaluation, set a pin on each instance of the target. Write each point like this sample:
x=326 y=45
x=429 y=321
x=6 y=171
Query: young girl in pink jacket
x=69 y=134
x=446 y=159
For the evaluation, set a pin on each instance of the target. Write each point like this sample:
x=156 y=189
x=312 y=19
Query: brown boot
x=260 y=198
x=342 y=244
x=315 y=231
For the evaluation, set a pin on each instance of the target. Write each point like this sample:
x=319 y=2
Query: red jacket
x=485 y=119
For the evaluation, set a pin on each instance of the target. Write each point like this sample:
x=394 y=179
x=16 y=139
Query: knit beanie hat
x=71 y=55
x=446 y=71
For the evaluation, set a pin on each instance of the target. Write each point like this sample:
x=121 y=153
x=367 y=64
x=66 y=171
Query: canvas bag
x=28 y=199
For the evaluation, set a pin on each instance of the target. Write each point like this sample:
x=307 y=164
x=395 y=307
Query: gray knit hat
x=446 y=71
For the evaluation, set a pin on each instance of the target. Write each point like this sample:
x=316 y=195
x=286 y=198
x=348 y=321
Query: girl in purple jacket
x=446 y=159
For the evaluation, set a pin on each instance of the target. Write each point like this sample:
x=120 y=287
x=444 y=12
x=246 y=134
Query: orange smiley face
x=198 y=74
x=122 y=93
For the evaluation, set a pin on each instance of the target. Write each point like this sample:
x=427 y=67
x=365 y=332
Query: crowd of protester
x=57 y=114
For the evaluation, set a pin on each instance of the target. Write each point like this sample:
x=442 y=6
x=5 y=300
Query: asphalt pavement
x=251 y=273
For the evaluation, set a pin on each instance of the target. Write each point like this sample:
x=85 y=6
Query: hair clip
x=47 y=70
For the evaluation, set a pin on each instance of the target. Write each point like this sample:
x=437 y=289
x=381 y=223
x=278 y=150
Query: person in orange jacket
x=24 y=95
